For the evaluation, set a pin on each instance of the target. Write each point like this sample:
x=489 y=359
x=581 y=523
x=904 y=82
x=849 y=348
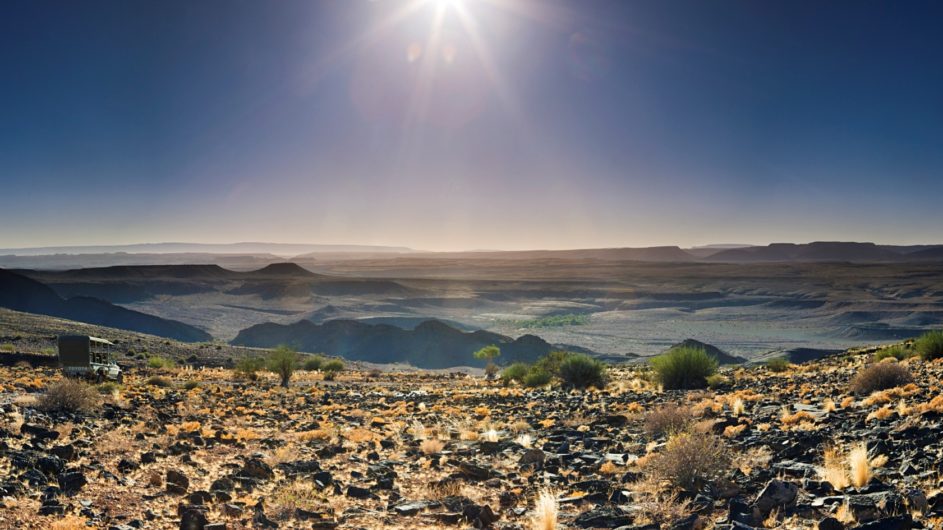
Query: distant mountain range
x=277 y=249
x=24 y=294
x=820 y=251
x=251 y=256
x=431 y=344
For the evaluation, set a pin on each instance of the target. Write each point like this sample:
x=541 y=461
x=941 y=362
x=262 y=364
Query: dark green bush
x=313 y=363
x=190 y=385
x=897 y=352
x=537 y=377
x=249 y=366
x=582 y=371
x=332 y=368
x=777 y=364
x=684 y=367
x=515 y=372
x=551 y=362
x=158 y=362
x=930 y=345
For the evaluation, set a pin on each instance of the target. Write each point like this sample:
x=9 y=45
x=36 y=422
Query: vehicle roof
x=90 y=338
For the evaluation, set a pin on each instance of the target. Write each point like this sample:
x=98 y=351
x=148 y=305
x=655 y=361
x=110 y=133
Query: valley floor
x=430 y=450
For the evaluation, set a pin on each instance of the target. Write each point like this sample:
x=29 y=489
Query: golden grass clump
x=859 y=466
x=833 y=468
x=431 y=446
x=732 y=431
x=882 y=413
x=851 y=468
x=796 y=418
x=546 y=511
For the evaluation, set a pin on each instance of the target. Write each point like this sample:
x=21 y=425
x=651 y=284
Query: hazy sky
x=471 y=124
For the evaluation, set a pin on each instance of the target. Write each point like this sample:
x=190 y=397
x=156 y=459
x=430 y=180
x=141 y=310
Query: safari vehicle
x=88 y=357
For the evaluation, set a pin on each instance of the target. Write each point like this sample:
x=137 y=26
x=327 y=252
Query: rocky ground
x=427 y=450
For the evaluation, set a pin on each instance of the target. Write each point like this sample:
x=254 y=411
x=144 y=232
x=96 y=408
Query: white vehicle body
x=88 y=357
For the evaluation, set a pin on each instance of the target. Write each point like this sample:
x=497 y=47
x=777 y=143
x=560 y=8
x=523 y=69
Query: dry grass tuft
x=70 y=522
x=882 y=413
x=658 y=506
x=859 y=466
x=851 y=468
x=69 y=395
x=689 y=459
x=754 y=458
x=668 y=419
x=546 y=510
x=880 y=376
x=431 y=446
x=801 y=416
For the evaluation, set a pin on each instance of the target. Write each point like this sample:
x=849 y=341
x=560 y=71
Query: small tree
x=283 y=361
x=489 y=353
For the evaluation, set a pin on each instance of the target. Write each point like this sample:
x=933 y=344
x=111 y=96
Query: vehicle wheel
x=120 y=378
x=99 y=378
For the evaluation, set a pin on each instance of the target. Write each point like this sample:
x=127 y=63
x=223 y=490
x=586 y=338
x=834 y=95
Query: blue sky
x=460 y=124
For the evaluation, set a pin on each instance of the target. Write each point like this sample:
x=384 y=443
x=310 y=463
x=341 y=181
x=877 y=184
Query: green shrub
x=190 y=385
x=515 y=372
x=68 y=395
x=930 y=345
x=551 y=362
x=896 y=352
x=283 y=361
x=582 y=371
x=777 y=364
x=313 y=363
x=684 y=367
x=159 y=381
x=108 y=387
x=160 y=363
x=332 y=368
x=537 y=377
x=7 y=348
x=249 y=366
x=716 y=380
x=880 y=376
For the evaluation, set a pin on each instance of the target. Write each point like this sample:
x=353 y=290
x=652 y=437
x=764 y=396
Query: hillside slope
x=24 y=294
x=432 y=344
